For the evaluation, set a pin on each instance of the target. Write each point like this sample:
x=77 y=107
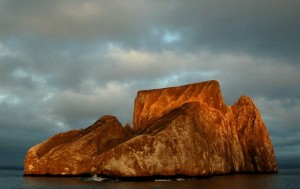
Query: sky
x=66 y=63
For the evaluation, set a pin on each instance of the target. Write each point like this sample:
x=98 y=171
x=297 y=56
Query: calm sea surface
x=286 y=178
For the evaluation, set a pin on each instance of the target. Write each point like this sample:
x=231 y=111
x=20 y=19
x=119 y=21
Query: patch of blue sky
x=7 y=99
x=170 y=37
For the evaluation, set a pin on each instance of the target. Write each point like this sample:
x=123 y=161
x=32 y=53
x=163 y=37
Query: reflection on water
x=285 y=179
x=52 y=182
x=246 y=181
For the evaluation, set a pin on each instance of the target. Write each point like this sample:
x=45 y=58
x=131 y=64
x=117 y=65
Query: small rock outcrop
x=186 y=130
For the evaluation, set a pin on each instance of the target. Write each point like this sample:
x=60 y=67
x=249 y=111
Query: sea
x=286 y=178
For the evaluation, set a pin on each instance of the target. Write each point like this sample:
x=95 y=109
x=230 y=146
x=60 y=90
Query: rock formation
x=186 y=130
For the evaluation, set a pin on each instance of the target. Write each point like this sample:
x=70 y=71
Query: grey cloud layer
x=262 y=27
x=63 y=64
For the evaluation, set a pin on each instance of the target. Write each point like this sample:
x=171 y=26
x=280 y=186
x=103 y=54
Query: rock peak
x=107 y=118
x=152 y=104
x=214 y=83
x=245 y=100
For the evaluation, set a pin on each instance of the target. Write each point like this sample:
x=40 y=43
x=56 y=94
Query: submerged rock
x=186 y=130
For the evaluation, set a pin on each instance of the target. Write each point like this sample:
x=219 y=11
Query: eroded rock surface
x=186 y=130
x=73 y=152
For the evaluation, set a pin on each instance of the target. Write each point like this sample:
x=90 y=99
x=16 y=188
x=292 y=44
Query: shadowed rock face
x=186 y=130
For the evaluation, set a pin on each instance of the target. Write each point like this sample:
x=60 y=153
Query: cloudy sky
x=65 y=63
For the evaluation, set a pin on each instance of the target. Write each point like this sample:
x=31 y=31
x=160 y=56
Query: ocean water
x=286 y=178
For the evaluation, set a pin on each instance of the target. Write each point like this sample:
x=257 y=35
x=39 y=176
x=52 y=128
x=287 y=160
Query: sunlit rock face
x=151 y=105
x=74 y=152
x=186 y=130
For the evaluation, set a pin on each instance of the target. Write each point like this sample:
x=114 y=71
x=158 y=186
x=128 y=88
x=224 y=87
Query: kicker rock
x=186 y=130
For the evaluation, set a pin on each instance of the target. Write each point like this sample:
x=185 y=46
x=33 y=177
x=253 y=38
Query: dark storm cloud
x=260 y=26
x=64 y=64
x=263 y=27
x=111 y=21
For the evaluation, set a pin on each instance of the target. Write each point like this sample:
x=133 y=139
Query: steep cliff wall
x=186 y=130
x=151 y=105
